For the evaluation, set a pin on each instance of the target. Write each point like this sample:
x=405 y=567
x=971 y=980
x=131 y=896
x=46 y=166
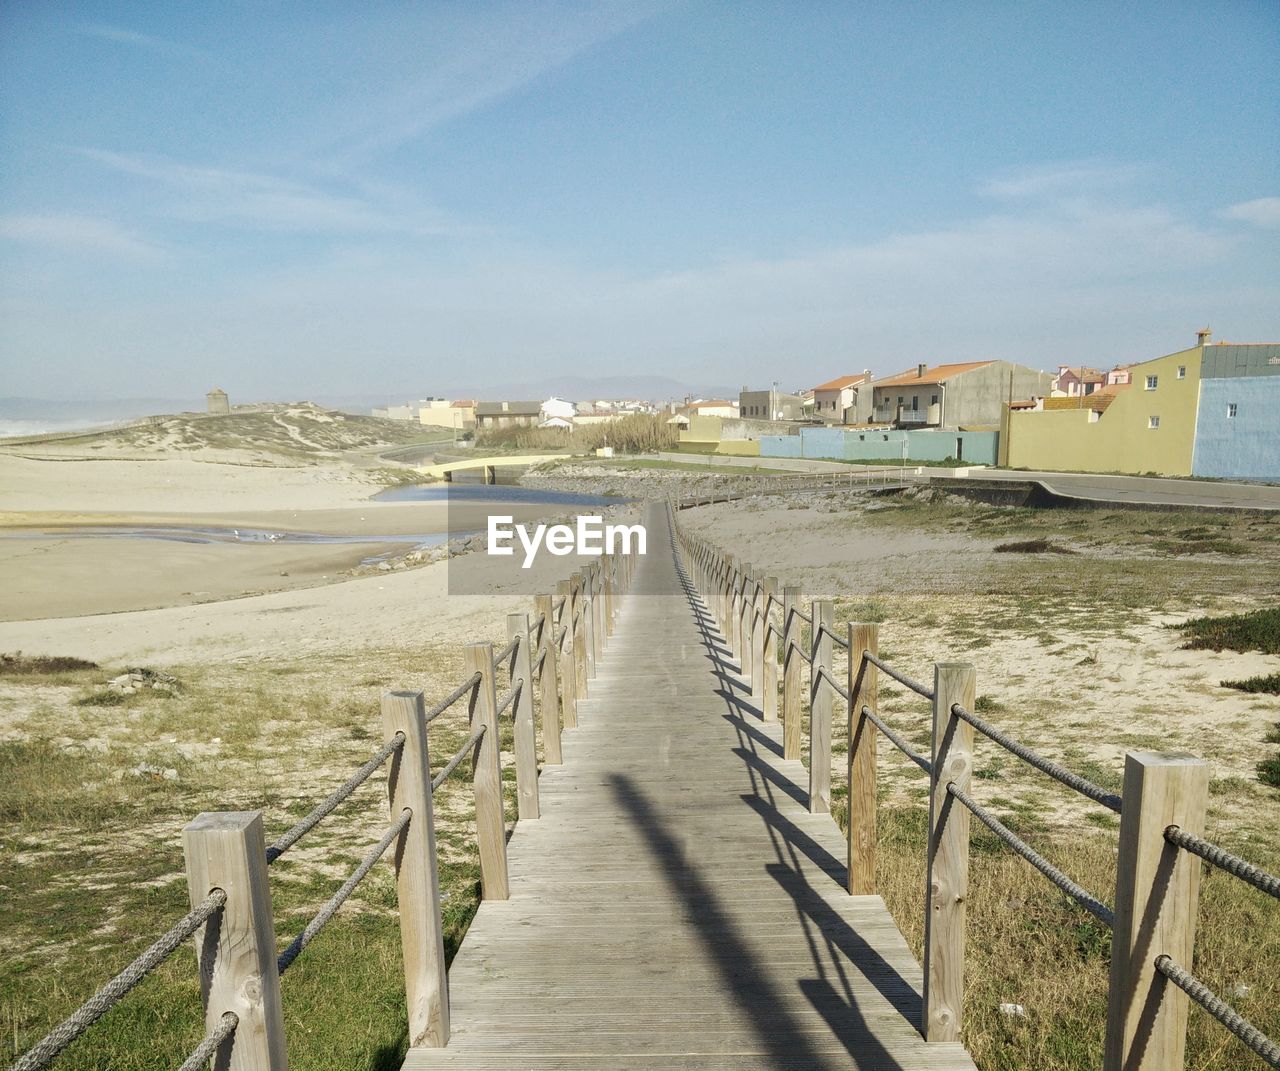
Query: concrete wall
x=1244 y=446
x=842 y=444
x=1119 y=439
x=978 y=397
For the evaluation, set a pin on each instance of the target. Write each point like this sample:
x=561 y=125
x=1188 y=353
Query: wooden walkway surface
x=676 y=906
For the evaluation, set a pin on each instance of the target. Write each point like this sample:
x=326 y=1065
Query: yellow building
x=707 y=435
x=1148 y=426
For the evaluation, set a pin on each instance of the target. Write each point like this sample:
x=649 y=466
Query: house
x=1237 y=428
x=1076 y=382
x=558 y=423
x=556 y=407
x=710 y=407
x=491 y=415
x=837 y=401
x=771 y=404
x=952 y=396
x=1175 y=418
x=1119 y=376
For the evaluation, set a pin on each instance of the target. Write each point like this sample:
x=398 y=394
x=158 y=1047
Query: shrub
x=1255 y=631
x=633 y=434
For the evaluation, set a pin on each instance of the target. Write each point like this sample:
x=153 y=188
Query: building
x=844 y=400
x=558 y=423
x=1208 y=411
x=217 y=402
x=955 y=396
x=1076 y=382
x=1237 y=423
x=557 y=408
x=491 y=415
x=440 y=413
x=771 y=404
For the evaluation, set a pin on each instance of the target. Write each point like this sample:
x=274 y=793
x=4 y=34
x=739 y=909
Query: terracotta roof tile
x=936 y=374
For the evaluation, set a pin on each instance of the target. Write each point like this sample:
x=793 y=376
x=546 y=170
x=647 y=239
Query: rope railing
x=452 y=697
x=802 y=615
x=287 y=958
x=1224 y=860
x=536 y=666
x=42 y=1053
x=897 y=740
x=461 y=754
x=507 y=651
x=510 y=698
x=331 y=802
x=899 y=676
x=204 y=1052
x=1207 y=999
x=1077 y=892
x=837 y=639
x=1059 y=773
x=825 y=675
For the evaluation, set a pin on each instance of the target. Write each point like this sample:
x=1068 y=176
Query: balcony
x=913 y=416
x=894 y=415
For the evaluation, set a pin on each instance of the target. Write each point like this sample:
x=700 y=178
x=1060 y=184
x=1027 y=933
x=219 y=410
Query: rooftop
x=841 y=382
x=937 y=374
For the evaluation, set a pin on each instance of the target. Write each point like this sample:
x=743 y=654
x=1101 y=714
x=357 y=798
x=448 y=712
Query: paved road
x=1149 y=490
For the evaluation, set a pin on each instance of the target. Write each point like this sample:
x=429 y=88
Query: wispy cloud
x=1072 y=178
x=486 y=59
x=267 y=202
x=132 y=38
x=1262 y=212
x=83 y=233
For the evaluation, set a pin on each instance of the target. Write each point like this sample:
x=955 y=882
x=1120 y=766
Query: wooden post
x=548 y=682
x=588 y=623
x=597 y=610
x=1157 y=889
x=526 y=740
x=731 y=605
x=426 y=985
x=568 y=667
x=486 y=776
x=948 y=854
x=791 y=677
x=610 y=608
x=769 y=654
x=758 y=629
x=863 y=690
x=578 y=633
x=745 y=622
x=236 y=948
x=820 y=704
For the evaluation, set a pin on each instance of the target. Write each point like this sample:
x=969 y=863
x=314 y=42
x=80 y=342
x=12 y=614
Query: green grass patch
x=1268 y=684
x=1256 y=631
x=20 y=665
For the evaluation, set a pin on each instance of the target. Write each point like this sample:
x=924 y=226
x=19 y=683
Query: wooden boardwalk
x=676 y=906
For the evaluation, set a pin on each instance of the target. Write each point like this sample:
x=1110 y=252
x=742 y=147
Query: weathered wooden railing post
x=744 y=623
x=597 y=615
x=609 y=600
x=568 y=668
x=863 y=692
x=426 y=985
x=791 y=677
x=730 y=603
x=758 y=629
x=526 y=740
x=947 y=887
x=548 y=681
x=820 y=704
x=1157 y=889
x=486 y=777
x=588 y=621
x=236 y=948
x=578 y=632
x=769 y=653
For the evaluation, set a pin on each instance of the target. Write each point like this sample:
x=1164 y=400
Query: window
x=1153 y=422
x=1231 y=410
x=1152 y=381
x=1182 y=371
x=934 y=400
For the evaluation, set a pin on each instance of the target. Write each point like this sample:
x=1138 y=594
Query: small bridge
x=488 y=465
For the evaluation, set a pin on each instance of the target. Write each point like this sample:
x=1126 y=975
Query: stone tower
x=217 y=402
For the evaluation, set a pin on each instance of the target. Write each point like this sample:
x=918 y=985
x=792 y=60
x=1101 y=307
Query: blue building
x=1238 y=419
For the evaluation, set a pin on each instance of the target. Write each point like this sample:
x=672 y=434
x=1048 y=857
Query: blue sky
x=294 y=199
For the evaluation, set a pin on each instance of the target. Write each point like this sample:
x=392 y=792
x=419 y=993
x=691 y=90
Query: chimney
x=920 y=371
x=866 y=375
x=1203 y=336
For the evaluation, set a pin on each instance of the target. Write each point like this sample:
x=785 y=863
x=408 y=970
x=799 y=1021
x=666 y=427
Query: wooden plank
x=864 y=692
x=821 y=702
x=486 y=777
x=526 y=740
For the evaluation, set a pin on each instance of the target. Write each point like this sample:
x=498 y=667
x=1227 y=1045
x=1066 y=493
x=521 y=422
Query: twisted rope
x=1059 y=773
x=897 y=741
x=510 y=698
x=836 y=687
x=506 y=652
x=330 y=803
x=287 y=957
x=1220 y=1010
x=901 y=678
x=42 y=1053
x=452 y=697
x=802 y=615
x=1224 y=860
x=1077 y=892
x=203 y=1053
x=537 y=662
x=452 y=764
x=837 y=640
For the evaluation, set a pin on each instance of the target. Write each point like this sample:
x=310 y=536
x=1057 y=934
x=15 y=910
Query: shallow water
x=479 y=492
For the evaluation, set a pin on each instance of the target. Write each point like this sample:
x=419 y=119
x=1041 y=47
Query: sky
x=292 y=200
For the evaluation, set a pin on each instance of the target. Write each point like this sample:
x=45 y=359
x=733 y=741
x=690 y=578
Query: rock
x=1015 y=1011
x=384 y=567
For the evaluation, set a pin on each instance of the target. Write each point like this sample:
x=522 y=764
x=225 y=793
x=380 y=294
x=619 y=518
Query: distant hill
x=266 y=434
